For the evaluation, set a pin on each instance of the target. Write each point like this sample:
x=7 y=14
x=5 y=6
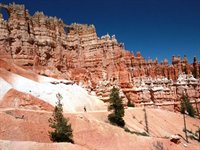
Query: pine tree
x=116 y=105
x=186 y=106
x=62 y=129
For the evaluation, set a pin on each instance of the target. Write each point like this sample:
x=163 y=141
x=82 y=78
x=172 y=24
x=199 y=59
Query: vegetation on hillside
x=186 y=106
x=117 y=108
x=62 y=131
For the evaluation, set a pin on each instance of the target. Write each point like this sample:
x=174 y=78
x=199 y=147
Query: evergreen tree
x=116 y=105
x=62 y=129
x=186 y=106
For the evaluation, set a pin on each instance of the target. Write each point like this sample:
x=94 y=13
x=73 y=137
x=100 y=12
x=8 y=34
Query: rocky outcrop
x=19 y=100
x=162 y=91
x=31 y=40
x=50 y=47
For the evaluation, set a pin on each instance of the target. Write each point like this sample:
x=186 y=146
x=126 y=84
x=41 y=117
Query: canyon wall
x=50 y=47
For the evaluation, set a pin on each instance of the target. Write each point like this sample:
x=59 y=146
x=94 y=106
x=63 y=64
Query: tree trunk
x=185 y=128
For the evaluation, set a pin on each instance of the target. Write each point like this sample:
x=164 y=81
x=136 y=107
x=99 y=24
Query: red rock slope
x=92 y=130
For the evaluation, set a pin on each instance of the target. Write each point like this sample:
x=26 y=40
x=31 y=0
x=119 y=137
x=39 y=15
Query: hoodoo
x=51 y=66
x=50 y=47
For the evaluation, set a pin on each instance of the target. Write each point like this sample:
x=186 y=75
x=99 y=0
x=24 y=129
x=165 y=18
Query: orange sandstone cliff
x=50 y=47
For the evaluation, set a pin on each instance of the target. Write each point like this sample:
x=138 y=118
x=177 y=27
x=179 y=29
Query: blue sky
x=156 y=28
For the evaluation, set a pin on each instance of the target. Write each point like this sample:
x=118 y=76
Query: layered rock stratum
x=74 y=52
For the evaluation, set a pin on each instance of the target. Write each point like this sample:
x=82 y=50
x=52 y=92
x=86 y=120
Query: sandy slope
x=28 y=145
x=46 y=88
x=91 y=130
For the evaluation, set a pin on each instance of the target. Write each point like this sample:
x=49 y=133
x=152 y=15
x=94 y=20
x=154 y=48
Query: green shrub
x=135 y=132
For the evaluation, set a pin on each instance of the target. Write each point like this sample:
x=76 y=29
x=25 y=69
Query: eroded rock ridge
x=49 y=46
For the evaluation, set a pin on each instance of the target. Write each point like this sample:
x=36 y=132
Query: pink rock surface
x=16 y=99
x=92 y=131
x=28 y=145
